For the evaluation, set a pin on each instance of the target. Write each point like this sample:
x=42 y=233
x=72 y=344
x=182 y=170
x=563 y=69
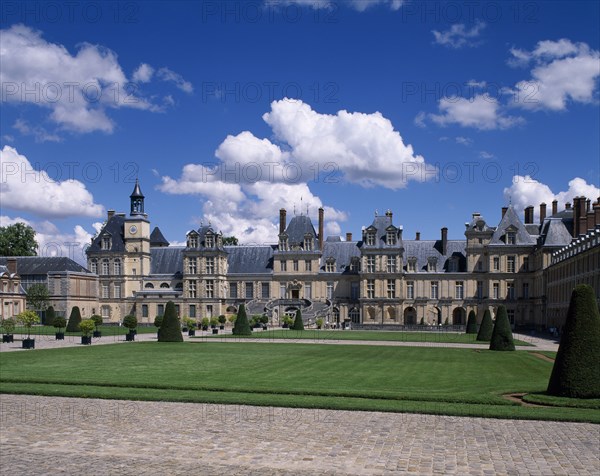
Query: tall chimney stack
x=529 y=215
x=11 y=265
x=348 y=236
x=575 y=217
x=568 y=206
x=444 y=241
x=554 y=207
x=590 y=221
x=282 y=224
x=542 y=212
x=504 y=211
x=321 y=217
x=418 y=236
x=110 y=214
x=582 y=215
x=588 y=202
x=597 y=212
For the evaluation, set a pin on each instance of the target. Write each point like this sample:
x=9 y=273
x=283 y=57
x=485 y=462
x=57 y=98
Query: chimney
x=282 y=223
x=11 y=265
x=597 y=212
x=418 y=236
x=111 y=213
x=554 y=207
x=475 y=215
x=529 y=215
x=588 y=202
x=444 y=240
x=582 y=216
x=575 y=217
x=348 y=236
x=542 y=212
x=321 y=215
x=389 y=214
x=590 y=221
x=568 y=206
x=504 y=211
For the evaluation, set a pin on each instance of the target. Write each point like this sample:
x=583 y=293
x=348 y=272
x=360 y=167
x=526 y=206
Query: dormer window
x=106 y=243
x=330 y=265
x=432 y=264
x=412 y=264
x=355 y=265
x=308 y=242
x=390 y=238
x=283 y=243
x=210 y=241
x=511 y=238
x=193 y=241
x=452 y=265
x=370 y=238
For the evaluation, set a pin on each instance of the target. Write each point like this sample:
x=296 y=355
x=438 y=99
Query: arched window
x=149 y=286
x=355 y=315
x=164 y=285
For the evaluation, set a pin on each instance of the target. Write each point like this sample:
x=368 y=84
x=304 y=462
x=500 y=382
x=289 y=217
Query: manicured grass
x=543 y=399
x=399 y=379
x=106 y=331
x=395 y=336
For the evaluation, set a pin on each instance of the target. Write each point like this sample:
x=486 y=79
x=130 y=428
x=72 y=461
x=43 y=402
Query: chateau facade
x=381 y=279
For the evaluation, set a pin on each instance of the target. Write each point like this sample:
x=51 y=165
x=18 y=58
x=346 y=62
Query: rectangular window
x=391 y=288
x=210 y=265
x=526 y=290
x=308 y=265
x=412 y=265
x=105 y=266
x=192 y=310
x=283 y=265
x=192 y=266
x=330 y=266
x=526 y=263
x=391 y=264
x=105 y=293
x=434 y=289
x=370 y=288
x=370 y=264
x=354 y=291
x=160 y=310
x=355 y=265
x=510 y=264
x=282 y=292
x=210 y=288
x=249 y=291
x=459 y=290
x=308 y=291
x=144 y=310
x=496 y=290
x=479 y=266
x=209 y=241
x=511 y=238
x=410 y=290
x=117 y=290
x=496 y=263
x=510 y=291
x=105 y=311
x=94 y=266
x=265 y=290
x=295 y=264
x=117 y=267
x=370 y=239
x=479 y=289
x=330 y=290
x=391 y=237
x=233 y=292
x=209 y=311
x=192 y=290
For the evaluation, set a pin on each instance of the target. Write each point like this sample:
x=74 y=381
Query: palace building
x=380 y=279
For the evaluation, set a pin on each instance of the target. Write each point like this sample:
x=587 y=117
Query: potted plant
x=222 y=320
x=264 y=320
x=9 y=326
x=59 y=323
x=191 y=325
x=213 y=324
x=87 y=327
x=28 y=319
x=130 y=322
x=287 y=322
x=157 y=323
x=97 y=320
x=205 y=321
x=319 y=322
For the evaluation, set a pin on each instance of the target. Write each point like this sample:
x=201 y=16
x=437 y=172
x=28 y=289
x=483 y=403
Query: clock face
x=133 y=229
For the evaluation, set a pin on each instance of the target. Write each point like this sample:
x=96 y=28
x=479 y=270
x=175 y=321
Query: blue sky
x=228 y=111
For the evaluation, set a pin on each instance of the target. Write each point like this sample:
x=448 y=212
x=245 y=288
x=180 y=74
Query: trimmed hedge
x=242 y=326
x=298 y=324
x=170 y=328
x=486 y=328
x=502 y=338
x=50 y=315
x=576 y=371
x=74 y=320
x=472 y=323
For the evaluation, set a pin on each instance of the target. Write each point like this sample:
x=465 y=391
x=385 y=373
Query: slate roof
x=424 y=249
x=511 y=218
x=554 y=233
x=297 y=228
x=566 y=216
x=157 y=238
x=115 y=226
x=341 y=251
x=474 y=224
x=381 y=224
x=167 y=260
x=250 y=259
x=137 y=191
x=29 y=265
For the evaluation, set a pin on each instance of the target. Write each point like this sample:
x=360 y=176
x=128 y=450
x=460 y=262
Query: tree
x=298 y=324
x=59 y=322
x=486 y=328
x=8 y=325
x=17 y=240
x=472 y=323
x=28 y=319
x=230 y=241
x=158 y=321
x=97 y=320
x=50 y=316
x=241 y=326
x=130 y=321
x=502 y=338
x=87 y=326
x=74 y=320
x=576 y=371
x=170 y=329
x=37 y=297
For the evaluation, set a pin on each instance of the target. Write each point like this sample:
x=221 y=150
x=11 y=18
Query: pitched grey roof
x=566 y=217
x=381 y=224
x=478 y=223
x=29 y=265
x=424 y=249
x=297 y=228
x=342 y=252
x=554 y=233
x=250 y=259
x=509 y=219
x=167 y=260
x=115 y=226
x=157 y=238
x=533 y=229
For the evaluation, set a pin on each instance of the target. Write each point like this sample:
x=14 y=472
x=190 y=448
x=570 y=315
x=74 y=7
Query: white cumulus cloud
x=459 y=35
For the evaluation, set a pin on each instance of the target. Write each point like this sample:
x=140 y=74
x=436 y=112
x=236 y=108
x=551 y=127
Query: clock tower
x=136 y=236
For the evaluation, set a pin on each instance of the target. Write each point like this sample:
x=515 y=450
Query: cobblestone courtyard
x=52 y=435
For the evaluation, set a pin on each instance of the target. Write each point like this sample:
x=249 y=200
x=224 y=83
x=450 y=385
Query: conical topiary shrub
x=298 y=324
x=170 y=328
x=486 y=328
x=241 y=326
x=50 y=315
x=472 y=323
x=502 y=338
x=576 y=371
x=74 y=320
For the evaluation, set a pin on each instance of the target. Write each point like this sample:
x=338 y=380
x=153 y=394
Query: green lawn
x=396 y=336
x=106 y=331
x=398 y=379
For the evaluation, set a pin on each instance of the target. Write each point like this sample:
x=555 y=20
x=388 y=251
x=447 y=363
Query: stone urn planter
x=59 y=335
x=86 y=340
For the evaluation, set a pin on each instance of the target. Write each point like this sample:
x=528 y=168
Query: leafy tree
x=205 y=322
x=59 y=322
x=50 y=316
x=319 y=322
x=74 y=320
x=8 y=325
x=502 y=338
x=170 y=329
x=214 y=322
x=298 y=324
x=232 y=319
x=97 y=320
x=230 y=241
x=87 y=326
x=37 y=297
x=130 y=321
x=242 y=327
x=222 y=319
x=472 y=323
x=576 y=371
x=189 y=322
x=28 y=319
x=486 y=328
x=17 y=240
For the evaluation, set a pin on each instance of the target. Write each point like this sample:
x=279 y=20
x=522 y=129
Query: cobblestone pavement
x=55 y=435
